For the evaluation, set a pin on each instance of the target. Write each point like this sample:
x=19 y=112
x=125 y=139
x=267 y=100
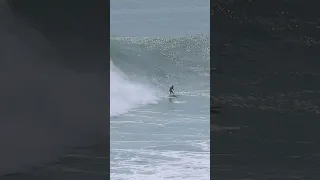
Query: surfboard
x=172 y=95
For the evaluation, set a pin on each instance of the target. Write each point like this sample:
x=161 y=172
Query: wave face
x=142 y=69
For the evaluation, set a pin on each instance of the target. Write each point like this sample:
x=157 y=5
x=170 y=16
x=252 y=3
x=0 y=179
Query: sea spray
x=126 y=94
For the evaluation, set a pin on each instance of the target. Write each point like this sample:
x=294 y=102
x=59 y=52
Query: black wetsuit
x=171 y=90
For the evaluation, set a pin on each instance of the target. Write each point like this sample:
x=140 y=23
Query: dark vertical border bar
x=58 y=85
x=213 y=109
x=265 y=75
x=108 y=91
x=108 y=119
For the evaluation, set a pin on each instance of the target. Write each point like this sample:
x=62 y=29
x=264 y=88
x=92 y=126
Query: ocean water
x=155 y=45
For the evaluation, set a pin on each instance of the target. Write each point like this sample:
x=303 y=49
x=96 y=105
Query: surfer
x=171 y=90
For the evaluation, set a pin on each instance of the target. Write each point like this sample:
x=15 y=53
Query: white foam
x=126 y=94
x=161 y=165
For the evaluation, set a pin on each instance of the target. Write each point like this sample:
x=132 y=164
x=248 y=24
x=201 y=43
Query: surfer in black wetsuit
x=171 y=90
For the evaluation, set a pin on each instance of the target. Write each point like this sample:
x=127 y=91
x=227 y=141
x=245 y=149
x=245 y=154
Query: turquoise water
x=153 y=46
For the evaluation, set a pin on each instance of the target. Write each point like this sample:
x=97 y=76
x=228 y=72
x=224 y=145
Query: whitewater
x=125 y=94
